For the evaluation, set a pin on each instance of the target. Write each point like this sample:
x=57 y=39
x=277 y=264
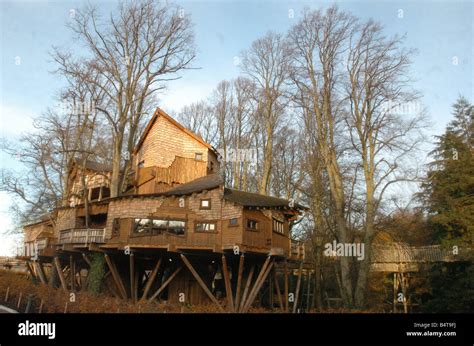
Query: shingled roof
x=255 y=200
x=94 y=166
x=214 y=181
x=208 y=182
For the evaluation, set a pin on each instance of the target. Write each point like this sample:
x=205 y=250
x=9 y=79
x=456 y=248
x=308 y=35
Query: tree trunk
x=115 y=178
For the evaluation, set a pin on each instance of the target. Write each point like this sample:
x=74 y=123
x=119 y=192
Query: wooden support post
x=277 y=286
x=40 y=310
x=260 y=275
x=7 y=294
x=87 y=260
x=41 y=273
x=257 y=287
x=286 y=286
x=86 y=280
x=19 y=301
x=395 y=288
x=228 y=288
x=116 y=276
x=60 y=273
x=151 y=279
x=308 y=291
x=30 y=269
x=257 y=281
x=72 y=274
x=298 y=286
x=407 y=282
x=201 y=283
x=165 y=284
x=247 y=286
x=404 y=292
x=271 y=288
x=136 y=287
x=132 y=276
x=239 y=282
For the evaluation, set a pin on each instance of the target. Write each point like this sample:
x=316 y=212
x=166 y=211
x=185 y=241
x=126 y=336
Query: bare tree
x=197 y=117
x=135 y=52
x=318 y=43
x=63 y=136
x=378 y=83
x=267 y=63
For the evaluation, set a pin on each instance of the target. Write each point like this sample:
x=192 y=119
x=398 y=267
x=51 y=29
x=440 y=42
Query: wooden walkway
x=399 y=257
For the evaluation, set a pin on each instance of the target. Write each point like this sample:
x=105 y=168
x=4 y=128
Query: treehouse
x=177 y=215
x=90 y=179
x=38 y=238
x=168 y=154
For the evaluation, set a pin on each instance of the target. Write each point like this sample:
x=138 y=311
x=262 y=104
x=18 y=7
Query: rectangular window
x=176 y=227
x=205 y=204
x=205 y=227
x=198 y=156
x=278 y=226
x=159 y=226
x=252 y=224
x=116 y=227
x=141 y=226
x=233 y=222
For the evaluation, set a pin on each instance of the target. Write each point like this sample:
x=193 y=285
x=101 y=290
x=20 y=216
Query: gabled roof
x=160 y=113
x=93 y=166
x=45 y=218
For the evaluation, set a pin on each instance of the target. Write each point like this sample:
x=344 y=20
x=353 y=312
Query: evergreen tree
x=448 y=197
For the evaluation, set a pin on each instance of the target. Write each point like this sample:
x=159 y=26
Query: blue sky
x=442 y=31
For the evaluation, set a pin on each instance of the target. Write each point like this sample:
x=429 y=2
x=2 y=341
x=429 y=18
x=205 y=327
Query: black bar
x=261 y=329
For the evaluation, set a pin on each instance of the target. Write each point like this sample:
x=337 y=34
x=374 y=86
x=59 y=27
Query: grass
x=57 y=301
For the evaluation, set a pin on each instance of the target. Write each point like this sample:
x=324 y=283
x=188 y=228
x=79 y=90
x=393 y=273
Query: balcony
x=82 y=236
x=39 y=247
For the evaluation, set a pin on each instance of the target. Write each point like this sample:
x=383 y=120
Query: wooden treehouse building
x=178 y=234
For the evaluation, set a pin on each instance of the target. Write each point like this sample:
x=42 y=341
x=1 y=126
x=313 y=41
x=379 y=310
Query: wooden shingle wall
x=66 y=219
x=164 y=142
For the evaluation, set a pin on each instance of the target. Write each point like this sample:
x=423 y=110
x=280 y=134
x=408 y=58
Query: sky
x=441 y=31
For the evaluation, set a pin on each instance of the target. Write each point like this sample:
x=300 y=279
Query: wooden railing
x=82 y=236
x=41 y=244
x=38 y=247
x=191 y=239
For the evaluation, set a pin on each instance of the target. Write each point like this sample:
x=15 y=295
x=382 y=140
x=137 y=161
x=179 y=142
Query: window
x=278 y=226
x=141 y=226
x=176 y=227
x=115 y=227
x=205 y=227
x=252 y=224
x=159 y=226
x=205 y=204
x=233 y=222
x=198 y=156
